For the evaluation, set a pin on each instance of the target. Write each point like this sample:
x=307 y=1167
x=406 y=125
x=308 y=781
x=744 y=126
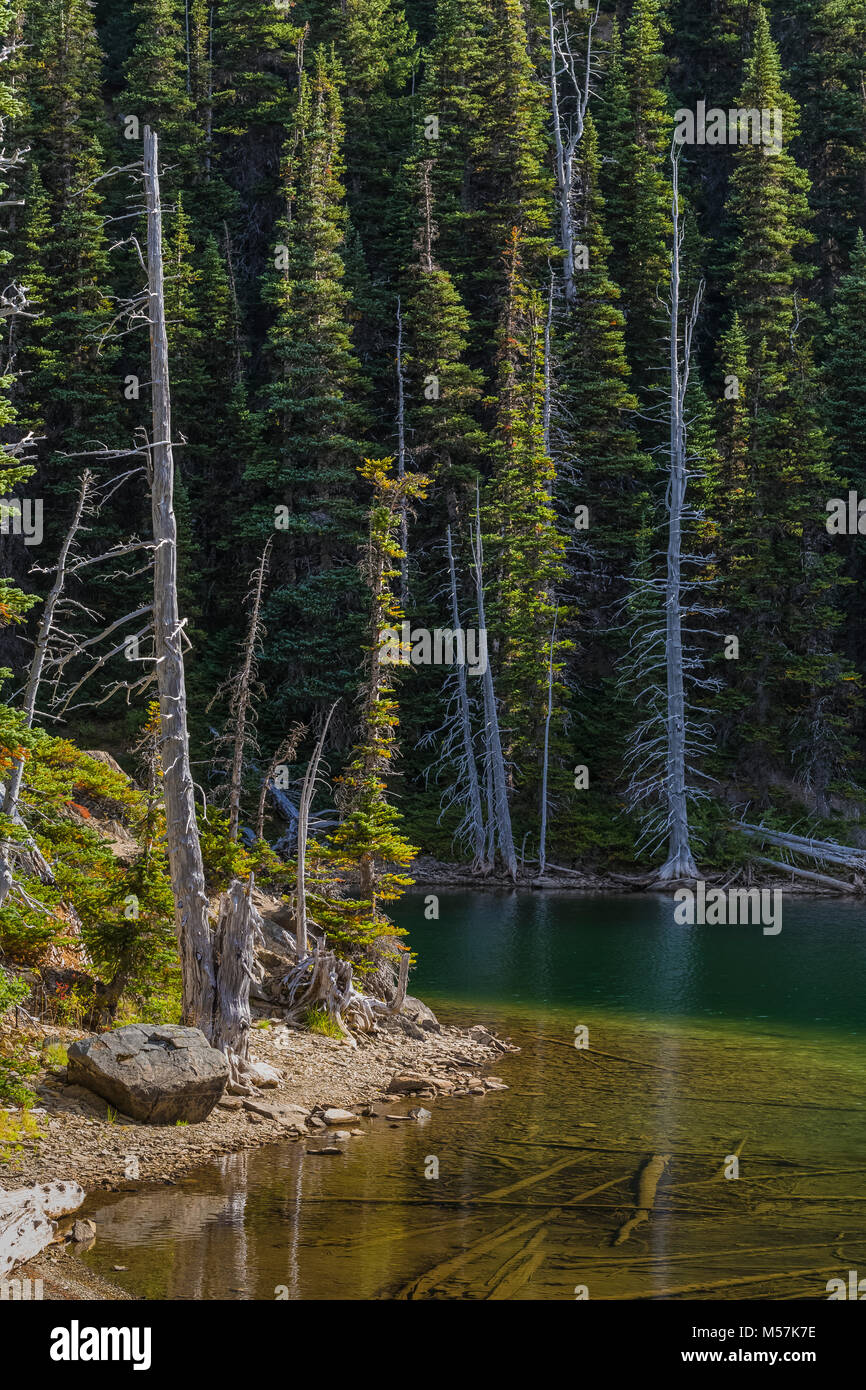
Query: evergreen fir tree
x=369 y=839
x=486 y=107
x=782 y=604
x=311 y=416
x=69 y=385
x=444 y=391
x=522 y=542
x=157 y=85
x=635 y=135
x=845 y=419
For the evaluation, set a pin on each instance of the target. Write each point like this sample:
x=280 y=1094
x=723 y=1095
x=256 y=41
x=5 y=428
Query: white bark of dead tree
x=305 y=802
x=237 y=930
x=184 y=847
x=401 y=461
x=837 y=884
x=242 y=695
x=27 y=1219
x=322 y=980
x=501 y=819
x=28 y=851
x=547 y=406
x=825 y=850
x=284 y=753
x=567 y=127
x=542 y=838
x=474 y=809
x=680 y=861
x=399 y=999
x=43 y=638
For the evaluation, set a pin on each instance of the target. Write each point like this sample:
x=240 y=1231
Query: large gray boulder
x=156 y=1073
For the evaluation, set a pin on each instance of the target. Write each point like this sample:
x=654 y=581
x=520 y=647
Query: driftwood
x=322 y=980
x=26 y=1219
x=648 y=1182
x=827 y=850
x=838 y=884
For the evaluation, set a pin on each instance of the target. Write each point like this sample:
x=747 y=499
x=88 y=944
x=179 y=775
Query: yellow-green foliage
x=318 y=1020
x=55 y=1055
x=17 y=1062
x=15 y=1129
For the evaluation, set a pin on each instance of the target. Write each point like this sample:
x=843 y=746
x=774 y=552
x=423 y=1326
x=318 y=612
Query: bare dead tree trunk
x=476 y=812
x=184 y=848
x=547 y=407
x=399 y=998
x=567 y=130
x=680 y=861
x=209 y=108
x=186 y=37
x=308 y=791
x=826 y=850
x=243 y=694
x=502 y=812
x=286 y=752
x=542 y=839
x=401 y=461
x=234 y=950
x=43 y=638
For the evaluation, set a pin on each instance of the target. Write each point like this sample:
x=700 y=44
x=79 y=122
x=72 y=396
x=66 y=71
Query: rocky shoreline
x=319 y=1084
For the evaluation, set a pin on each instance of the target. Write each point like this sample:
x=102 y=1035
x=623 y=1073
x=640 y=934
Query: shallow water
x=705 y=1042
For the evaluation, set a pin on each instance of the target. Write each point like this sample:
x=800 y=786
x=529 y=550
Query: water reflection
x=534 y=1182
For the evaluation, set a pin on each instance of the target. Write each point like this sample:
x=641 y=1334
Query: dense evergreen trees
x=330 y=160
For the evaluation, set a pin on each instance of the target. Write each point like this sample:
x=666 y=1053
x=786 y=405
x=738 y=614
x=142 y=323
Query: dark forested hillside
x=598 y=278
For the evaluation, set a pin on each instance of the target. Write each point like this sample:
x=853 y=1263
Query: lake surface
x=712 y=1050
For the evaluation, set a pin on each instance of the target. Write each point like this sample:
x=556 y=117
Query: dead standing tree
x=43 y=639
x=569 y=115
x=241 y=688
x=498 y=812
x=666 y=745
x=186 y=866
x=680 y=861
x=401 y=459
x=456 y=762
x=308 y=790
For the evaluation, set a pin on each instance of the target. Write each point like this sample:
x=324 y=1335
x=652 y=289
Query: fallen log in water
x=648 y=1181
x=733 y=1283
x=518 y=1270
x=26 y=1219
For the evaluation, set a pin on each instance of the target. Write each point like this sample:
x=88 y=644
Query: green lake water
x=705 y=1042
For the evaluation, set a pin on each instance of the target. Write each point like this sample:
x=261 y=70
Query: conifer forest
x=431 y=537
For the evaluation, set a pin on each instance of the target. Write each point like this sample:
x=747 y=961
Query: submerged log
x=648 y=1182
